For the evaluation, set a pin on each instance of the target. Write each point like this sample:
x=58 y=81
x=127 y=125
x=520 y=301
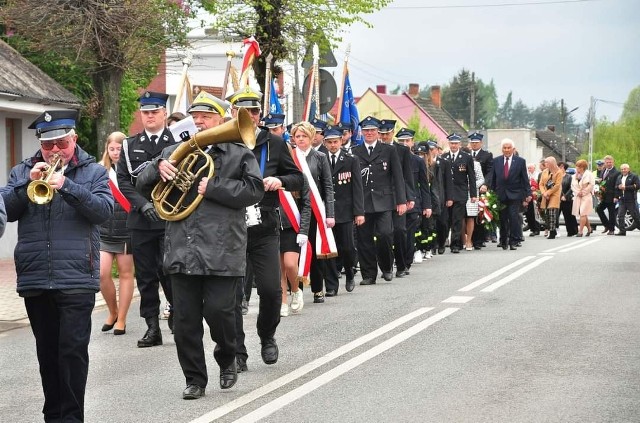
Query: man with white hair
x=626 y=193
x=510 y=181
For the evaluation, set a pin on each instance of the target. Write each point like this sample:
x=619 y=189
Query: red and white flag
x=252 y=51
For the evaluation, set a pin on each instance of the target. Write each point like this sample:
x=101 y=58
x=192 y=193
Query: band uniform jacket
x=439 y=184
x=610 y=184
x=485 y=158
x=420 y=185
x=321 y=173
x=278 y=163
x=212 y=240
x=404 y=155
x=382 y=181
x=516 y=186
x=463 y=177
x=140 y=150
x=629 y=194
x=347 y=188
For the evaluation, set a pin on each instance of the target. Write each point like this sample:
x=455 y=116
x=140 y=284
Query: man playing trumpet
x=58 y=257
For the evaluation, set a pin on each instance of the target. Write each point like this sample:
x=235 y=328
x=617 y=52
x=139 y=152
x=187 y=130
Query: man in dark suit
x=384 y=192
x=510 y=182
x=627 y=185
x=387 y=127
x=609 y=176
x=317 y=142
x=463 y=187
x=485 y=158
x=147 y=228
x=349 y=203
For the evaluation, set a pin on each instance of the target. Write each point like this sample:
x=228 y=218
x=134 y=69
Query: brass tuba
x=40 y=191
x=169 y=198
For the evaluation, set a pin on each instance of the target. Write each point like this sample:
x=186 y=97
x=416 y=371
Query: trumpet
x=40 y=191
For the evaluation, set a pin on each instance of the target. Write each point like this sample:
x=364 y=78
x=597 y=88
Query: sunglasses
x=61 y=143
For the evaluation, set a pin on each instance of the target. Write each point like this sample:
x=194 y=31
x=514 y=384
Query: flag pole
x=267 y=86
x=186 y=62
x=312 y=78
x=316 y=79
x=344 y=79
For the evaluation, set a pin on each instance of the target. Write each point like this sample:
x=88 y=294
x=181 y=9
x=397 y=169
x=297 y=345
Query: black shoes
x=621 y=234
x=535 y=233
x=513 y=247
x=368 y=281
x=228 y=376
x=331 y=293
x=401 y=273
x=609 y=232
x=318 y=297
x=241 y=365
x=350 y=285
x=120 y=331
x=269 y=351
x=441 y=250
x=193 y=392
x=387 y=276
x=170 y=320
x=455 y=250
x=107 y=328
x=552 y=235
x=152 y=336
x=504 y=246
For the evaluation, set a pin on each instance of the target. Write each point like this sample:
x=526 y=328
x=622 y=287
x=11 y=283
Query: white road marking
x=546 y=254
x=516 y=274
x=336 y=372
x=580 y=241
x=458 y=300
x=307 y=368
x=495 y=274
x=584 y=244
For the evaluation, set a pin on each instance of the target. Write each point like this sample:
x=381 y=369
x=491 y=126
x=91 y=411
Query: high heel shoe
x=589 y=233
x=120 y=331
x=107 y=328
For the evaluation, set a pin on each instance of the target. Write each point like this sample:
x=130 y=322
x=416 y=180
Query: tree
x=521 y=115
x=504 y=117
x=283 y=27
x=98 y=42
x=422 y=133
x=631 y=106
x=619 y=140
x=456 y=99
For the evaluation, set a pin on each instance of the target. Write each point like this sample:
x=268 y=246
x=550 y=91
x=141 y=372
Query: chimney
x=381 y=89
x=551 y=128
x=414 y=90
x=435 y=96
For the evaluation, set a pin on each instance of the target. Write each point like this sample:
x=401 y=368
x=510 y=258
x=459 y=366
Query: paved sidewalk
x=12 y=311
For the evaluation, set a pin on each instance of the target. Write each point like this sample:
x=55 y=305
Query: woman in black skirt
x=115 y=242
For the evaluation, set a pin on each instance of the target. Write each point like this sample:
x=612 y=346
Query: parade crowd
x=280 y=216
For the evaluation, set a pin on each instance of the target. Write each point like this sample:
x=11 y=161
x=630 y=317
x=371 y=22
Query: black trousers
x=61 y=324
x=442 y=227
x=570 y=221
x=623 y=206
x=147 y=248
x=375 y=252
x=479 y=234
x=530 y=215
x=510 y=224
x=413 y=223
x=263 y=252
x=214 y=299
x=400 y=240
x=343 y=233
x=456 y=216
x=323 y=272
x=608 y=219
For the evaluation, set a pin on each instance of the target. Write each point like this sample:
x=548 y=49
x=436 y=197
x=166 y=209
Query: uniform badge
x=47 y=117
x=384 y=165
x=462 y=167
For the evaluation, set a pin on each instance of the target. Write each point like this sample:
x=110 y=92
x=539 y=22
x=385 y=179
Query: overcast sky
x=562 y=49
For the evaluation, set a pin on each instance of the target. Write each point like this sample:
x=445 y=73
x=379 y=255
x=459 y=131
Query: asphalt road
x=547 y=333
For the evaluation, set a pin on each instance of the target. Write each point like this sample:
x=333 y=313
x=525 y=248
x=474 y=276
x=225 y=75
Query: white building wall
x=524 y=141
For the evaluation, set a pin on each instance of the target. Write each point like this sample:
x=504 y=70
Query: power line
x=475 y=6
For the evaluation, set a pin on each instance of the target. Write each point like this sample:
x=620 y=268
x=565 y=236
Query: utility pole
x=472 y=121
x=563 y=116
x=592 y=119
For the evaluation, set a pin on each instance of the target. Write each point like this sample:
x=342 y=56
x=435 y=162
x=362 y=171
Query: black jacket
x=213 y=239
x=630 y=191
x=115 y=229
x=610 y=185
x=137 y=152
x=347 y=187
x=463 y=177
x=421 y=185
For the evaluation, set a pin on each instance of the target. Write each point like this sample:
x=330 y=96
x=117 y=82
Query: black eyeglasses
x=61 y=143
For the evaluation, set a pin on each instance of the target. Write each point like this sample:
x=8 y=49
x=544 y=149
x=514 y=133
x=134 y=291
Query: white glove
x=301 y=239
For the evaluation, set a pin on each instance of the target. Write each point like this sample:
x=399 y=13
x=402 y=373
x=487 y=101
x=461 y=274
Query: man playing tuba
x=205 y=251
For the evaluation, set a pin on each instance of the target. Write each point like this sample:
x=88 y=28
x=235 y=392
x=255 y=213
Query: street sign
x=328 y=90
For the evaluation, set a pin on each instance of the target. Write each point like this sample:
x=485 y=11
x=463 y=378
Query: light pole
x=564 y=115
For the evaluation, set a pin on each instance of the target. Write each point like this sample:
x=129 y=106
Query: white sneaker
x=284 y=310
x=167 y=310
x=417 y=257
x=428 y=255
x=297 y=301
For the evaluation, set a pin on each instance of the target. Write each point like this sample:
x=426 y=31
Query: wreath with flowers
x=489 y=207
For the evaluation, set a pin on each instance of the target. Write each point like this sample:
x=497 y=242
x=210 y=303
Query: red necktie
x=506 y=167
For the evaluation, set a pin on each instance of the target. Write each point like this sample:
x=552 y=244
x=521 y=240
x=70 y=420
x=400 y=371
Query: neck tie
x=474 y=154
x=506 y=167
x=606 y=172
x=333 y=161
x=453 y=157
x=370 y=149
x=154 y=139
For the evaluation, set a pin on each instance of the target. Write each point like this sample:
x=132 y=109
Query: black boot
x=552 y=235
x=152 y=336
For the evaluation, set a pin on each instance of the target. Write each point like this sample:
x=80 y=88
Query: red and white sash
x=325 y=242
x=290 y=208
x=117 y=194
